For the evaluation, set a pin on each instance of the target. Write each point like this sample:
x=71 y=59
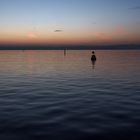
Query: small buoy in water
x=93 y=57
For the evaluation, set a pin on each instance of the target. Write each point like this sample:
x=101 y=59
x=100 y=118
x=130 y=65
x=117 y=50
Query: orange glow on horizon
x=118 y=36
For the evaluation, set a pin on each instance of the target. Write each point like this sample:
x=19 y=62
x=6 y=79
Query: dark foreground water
x=47 y=95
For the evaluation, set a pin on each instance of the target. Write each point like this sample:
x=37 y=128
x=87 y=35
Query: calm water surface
x=47 y=95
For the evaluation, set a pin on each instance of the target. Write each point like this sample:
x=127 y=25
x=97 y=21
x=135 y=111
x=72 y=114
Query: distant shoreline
x=69 y=47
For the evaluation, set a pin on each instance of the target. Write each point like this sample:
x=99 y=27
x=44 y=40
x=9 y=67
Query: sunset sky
x=89 y=22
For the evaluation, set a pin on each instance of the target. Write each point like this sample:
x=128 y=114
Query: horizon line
x=71 y=47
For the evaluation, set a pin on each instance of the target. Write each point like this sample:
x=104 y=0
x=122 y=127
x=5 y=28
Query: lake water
x=49 y=95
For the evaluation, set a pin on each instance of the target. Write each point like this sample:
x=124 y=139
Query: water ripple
x=69 y=99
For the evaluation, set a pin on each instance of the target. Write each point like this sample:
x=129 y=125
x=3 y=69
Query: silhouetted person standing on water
x=93 y=57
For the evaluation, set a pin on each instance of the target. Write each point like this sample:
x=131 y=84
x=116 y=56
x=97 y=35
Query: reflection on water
x=93 y=64
x=65 y=52
x=64 y=95
x=43 y=62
